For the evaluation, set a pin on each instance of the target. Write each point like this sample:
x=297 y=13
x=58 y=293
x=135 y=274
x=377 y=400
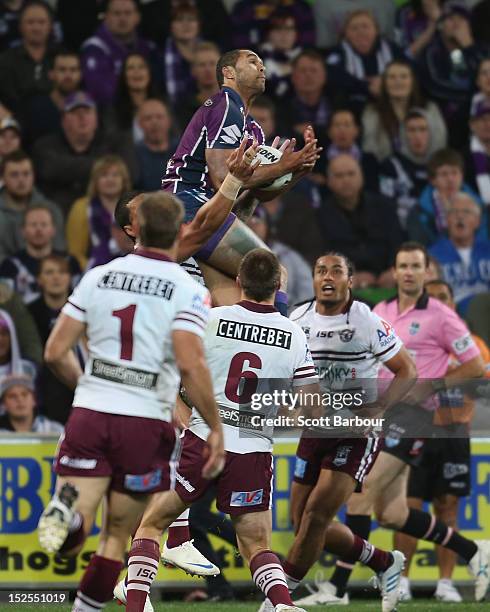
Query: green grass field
x=422 y=605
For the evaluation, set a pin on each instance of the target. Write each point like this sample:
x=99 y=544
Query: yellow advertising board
x=26 y=483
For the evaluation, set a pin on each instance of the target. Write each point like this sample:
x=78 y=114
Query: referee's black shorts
x=405 y=431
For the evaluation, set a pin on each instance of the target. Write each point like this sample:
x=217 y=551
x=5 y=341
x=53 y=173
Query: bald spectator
x=24 y=69
x=464 y=259
x=203 y=71
x=42 y=114
x=18 y=194
x=103 y=54
x=157 y=145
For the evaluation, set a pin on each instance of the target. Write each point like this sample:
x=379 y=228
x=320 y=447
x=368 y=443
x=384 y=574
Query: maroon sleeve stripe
x=196 y=323
x=310 y=375
x=188 y=312
x=77 y=307
x=304 y=368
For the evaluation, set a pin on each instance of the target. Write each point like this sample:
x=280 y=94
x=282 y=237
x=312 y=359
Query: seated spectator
x=404 y=175
x=382 y=120
x=20 y=270
x=42 y=113
x=203 y=71
x=299 y=272
x=135 y=85
x=157 y=146
x=18 y=399
x=11 y=359
x=357 y=63
x=17 y=195
x=179 y=51
x=92 y=235
x=330 y=18
x=250 y=20
x=263 y=110
x=55 y=282
x=279 y=50
x=464 y=259
x=343 y=133
x=448 y=67
x=308 y=102
x=28 y=338
x=478 y=156
x=10 y=137
x=427 y=221
x=9 y=23
x=103 y=54
x=483 y=85
x=24 y=69
x=63 y=161
x=416 y=24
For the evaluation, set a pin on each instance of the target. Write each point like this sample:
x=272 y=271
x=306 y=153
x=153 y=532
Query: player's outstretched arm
x=211 y=216
x=58 y=353
x=196 y=379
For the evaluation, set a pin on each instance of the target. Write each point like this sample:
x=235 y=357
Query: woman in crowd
x=382 y=120
x=92 y=236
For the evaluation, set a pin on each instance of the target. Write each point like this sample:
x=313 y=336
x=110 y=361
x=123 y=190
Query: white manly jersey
x=348 y=349
x=131 y=307
x=253 y=339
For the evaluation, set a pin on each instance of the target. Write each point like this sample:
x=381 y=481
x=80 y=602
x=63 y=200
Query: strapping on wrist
x=230 y=187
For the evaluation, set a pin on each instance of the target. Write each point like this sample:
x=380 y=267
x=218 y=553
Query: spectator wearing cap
x=157 y=146
x=21 y=270
x=10 y=137
x=103 y=53
x=55 y=281
x=464 y=259
x=18 y=194
x=11 y=360
x=42 y=114
x=404 y=175
x=24 y=69
x=19 y=402
x=478 y=156
x=448 y=67
x=63 y=160
x=250 y=20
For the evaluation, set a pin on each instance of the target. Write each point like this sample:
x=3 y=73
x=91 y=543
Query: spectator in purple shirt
x=104 y=53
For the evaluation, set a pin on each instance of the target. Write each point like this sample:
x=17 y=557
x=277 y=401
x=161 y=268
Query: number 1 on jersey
x=126 y=316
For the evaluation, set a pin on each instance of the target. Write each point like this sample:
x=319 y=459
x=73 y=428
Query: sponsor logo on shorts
x=391 y=442
x=417 y=447
x=124 y=376
x=247 y=498
x=460 y=345
x=79 y=464
x=342 y=455
x=143 y=482
x=300 y=467
x=451 y=470
x=185 y=483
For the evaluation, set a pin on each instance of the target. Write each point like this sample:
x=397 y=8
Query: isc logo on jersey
x=247 y=498
x=387 y=334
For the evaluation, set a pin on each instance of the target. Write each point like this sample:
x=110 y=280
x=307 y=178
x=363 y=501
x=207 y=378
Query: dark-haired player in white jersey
x=347 y=347
x=249 y=342
x=144 y=318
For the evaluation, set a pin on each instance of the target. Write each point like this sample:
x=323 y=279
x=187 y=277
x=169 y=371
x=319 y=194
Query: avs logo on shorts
x=247 y=498
x=143 y=482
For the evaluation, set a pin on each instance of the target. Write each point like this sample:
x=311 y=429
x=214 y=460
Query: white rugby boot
x=188 y=558
x=54 y=523
x=121 y=596
x=479 y=568
x=286 y=608
x=405 y=590
x=266 y=606
x=325 y=595
x=447 y=592
x=388 y=582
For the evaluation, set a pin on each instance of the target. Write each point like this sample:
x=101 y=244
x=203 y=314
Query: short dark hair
x=438 y=281
x=260 y=274
x=61 y=260
x=410 y=246
x=312 y=54
x=230 y=58
x=121 y=212
x=348 y=262
x=15 y=158
x=445 y=157
x=343 y=109
x=64 y=52
x=160 y=216
x=264 y=102
x=34 y=207
x=41 y=3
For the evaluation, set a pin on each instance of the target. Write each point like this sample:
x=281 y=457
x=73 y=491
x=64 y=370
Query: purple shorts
x=138 y=453
x=244 y=485
x=354 y=456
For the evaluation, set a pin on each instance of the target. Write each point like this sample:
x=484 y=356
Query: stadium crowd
x=96 y=94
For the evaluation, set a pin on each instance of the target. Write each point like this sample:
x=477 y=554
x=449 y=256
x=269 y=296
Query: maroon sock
x=293 y=572
x=178 y=532
x=143 y=561
x=268 y=575
x=74 y=538
x=98 y=582
x=367 y=554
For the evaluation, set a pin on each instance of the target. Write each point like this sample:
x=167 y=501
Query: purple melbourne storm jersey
x=220 y=123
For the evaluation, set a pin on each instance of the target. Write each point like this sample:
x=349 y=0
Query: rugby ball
x=270 y=155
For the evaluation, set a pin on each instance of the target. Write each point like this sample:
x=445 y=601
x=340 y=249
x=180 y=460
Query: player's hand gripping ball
x=271 y=155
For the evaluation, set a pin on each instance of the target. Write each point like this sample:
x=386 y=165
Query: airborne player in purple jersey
x=198 y=167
